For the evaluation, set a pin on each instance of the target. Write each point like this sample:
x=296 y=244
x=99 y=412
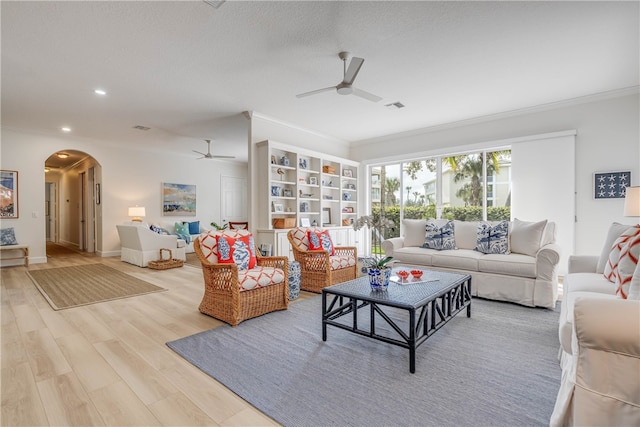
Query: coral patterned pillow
x=320 y=240
x=612 y=265
x=236 y=250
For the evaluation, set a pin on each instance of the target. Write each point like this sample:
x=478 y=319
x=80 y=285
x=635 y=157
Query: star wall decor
x=610 y=185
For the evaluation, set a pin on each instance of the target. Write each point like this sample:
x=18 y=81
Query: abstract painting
x=178 y=199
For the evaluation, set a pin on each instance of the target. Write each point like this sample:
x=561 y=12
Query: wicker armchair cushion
x=300 y=238
x=259 y=277
x=209 y=244
x=239 y=251
x=337 y=261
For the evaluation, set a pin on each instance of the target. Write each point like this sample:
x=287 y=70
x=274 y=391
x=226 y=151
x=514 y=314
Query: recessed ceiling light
x=99 y=92
x=65 y=129
x=62 y=155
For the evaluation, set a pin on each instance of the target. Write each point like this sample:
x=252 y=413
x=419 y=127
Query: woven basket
x=166 y=263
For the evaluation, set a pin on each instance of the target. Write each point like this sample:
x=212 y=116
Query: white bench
x=23 y=248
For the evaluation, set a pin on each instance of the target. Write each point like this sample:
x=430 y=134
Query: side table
x=294 y=280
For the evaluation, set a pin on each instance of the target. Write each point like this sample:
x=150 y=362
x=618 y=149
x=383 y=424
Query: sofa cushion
x=259 y=277
x=439 y=236
x=587 y=282
x=414 y=231
x=511 y=265
x=414 y=255
x=526 y=237
x=338 y=262
x=463 y=259
x=493 y=239
x=615 y=230
x=466 y=233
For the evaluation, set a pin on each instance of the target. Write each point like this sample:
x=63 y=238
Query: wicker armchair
x=318 y=268
x=233 y=295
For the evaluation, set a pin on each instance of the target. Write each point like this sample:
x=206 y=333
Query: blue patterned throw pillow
x=7 y=237
x=493 y=239
x=439 y=237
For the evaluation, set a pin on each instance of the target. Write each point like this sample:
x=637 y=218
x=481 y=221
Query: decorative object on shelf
x=328 y=169
x=280 y=172
x=313 y=180
x=178 y=199
x=347 y=221
x=278 y=207
x=284 y=222
x=314 y=223
x=275 y=191
x=347 y=173
x=302 y=163
x=287 y=192
x=305 y=195
x=347 y=209
x=284 y=161
x=327 y=197
x=304 y=207
x=350 y=186
x=304 y=222
x=326 y=216
x=346 y=197
x=273 y=160
x=610 y=185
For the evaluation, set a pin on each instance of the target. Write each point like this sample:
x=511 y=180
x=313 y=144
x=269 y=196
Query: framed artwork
x=610 y=185
x=178 y=199
x=9 y=194
x=347 y=173
x=278 y=207
x=313 y=180
x=326 y=216
x=304 y=222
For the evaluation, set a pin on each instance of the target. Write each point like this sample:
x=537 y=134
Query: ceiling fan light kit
x=349 y=75
x=208 y=154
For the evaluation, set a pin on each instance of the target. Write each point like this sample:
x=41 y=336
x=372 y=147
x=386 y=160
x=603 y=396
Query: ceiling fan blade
x=313 y=92
x=222 y=157
x=352 y=71
x=366 y=95
x=199 y=152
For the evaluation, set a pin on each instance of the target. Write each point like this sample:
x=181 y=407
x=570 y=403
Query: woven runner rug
x=497 y=368
x=67 y=287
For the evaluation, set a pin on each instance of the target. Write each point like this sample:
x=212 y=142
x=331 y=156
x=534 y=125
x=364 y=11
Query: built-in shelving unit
x=302 y=187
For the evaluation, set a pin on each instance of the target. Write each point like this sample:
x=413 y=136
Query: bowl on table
x=403 y=274
x=416 y=274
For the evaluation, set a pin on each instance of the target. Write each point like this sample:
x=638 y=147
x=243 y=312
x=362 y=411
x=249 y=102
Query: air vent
x=395 y=104
x=139 y=127
x=215 y=4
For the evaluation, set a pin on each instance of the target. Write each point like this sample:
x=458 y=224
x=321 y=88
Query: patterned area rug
x=67 y=287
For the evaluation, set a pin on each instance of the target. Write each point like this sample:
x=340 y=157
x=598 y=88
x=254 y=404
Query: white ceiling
x=188 y=70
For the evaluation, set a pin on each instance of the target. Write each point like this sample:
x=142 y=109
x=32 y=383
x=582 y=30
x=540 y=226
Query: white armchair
x=139 y=245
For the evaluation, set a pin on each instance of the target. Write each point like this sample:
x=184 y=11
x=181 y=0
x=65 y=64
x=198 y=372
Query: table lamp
x=632 y=201
x=137 y=212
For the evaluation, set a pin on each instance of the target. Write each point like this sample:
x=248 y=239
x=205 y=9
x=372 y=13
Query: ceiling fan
x=208 y=154
x=349 y=75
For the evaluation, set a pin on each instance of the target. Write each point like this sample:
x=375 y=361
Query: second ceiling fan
x=346 y=86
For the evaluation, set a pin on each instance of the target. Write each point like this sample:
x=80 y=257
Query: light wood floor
x=107 y=363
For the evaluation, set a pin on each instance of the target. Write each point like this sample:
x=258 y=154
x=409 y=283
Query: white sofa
x=139 y=245
x=527 y=275
x=599 y=346
x=169 y=226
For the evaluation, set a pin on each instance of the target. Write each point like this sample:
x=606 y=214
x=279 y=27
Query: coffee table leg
x=412 y=341
x=469 y=290
x=324 y=311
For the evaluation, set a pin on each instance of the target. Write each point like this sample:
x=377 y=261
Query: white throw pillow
x=526 y=236
x=634 y=287
x=414 y=231
x=615 y=230
x=466 y=233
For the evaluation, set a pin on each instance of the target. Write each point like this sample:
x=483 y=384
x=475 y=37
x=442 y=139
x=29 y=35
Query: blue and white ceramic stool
x=294 y=280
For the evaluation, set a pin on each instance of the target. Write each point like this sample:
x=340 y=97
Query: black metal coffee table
x=430 y=306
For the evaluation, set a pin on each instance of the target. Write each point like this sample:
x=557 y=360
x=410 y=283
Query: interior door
x=233 y=198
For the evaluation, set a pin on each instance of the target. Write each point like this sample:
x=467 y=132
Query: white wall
x=608 y=139
x=129 y=177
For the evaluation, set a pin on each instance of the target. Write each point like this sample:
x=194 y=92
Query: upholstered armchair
x=319 y=268
x=139 y=245
x=234 y=288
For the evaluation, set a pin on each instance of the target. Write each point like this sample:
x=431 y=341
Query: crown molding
x=618 y=93
x=255 y=114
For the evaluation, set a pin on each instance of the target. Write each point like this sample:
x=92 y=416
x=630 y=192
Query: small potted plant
x=379 y=272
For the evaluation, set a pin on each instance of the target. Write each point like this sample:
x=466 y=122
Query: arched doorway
x=73 y=200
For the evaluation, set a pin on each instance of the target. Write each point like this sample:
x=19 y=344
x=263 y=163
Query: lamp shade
x=632 y=201
x=137 y=212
